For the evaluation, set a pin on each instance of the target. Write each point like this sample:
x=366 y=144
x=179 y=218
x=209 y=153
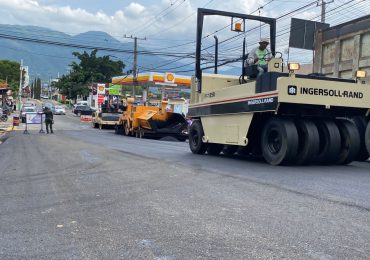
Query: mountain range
x=48 y=53
x=48 y=60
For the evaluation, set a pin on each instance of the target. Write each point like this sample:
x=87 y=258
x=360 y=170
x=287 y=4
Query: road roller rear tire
x=350 y=141
x=361 y=123
x=214 y=149
x=229 y=149
x=309 y=141
x=330 y=142
x=196 y=134
x=367 y=137
x=279 y=141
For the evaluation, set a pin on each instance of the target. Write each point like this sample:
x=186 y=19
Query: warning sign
x=34 y=118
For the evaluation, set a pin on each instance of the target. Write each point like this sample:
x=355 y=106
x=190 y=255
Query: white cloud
x=134 y=9
x=158 y=20
x=132 y=18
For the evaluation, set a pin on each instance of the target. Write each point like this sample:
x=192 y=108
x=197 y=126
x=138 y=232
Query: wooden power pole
x=134 y=69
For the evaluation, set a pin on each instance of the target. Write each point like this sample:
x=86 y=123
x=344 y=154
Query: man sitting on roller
x=260 y=56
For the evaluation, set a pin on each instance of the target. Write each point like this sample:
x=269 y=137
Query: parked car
x=59 y=110
x=26 y=110
x=80 y=103
x=104 y=120
x=29 y=103
x=83 y=110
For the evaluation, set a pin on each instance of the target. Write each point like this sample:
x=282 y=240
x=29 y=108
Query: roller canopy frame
x=204 y=12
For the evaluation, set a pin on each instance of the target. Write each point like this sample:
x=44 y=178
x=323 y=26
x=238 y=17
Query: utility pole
x=323 y=4
x=134 y=70
x=20 y=86
x=49 y=88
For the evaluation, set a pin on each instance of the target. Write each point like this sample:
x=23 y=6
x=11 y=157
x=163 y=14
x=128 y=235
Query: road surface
x=84 y=193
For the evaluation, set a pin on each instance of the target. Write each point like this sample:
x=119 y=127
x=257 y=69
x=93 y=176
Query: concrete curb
x=3 y=136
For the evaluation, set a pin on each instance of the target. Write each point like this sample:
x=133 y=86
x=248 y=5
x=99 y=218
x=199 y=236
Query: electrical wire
x=151 y=23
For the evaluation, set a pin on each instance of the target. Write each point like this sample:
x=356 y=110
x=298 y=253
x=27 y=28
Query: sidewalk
x=8 y=125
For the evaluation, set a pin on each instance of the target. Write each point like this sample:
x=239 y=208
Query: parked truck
x=286 y=118
x=341 y=51
x=104 y=119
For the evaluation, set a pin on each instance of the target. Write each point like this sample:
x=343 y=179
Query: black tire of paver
x=141 y=133
x=229 y=149
x=350 y=141
x=330 y=142
x=361 y=123
x=214 y=149
x=279 y=141
x=118 y=129
x=367 y=137
x=195 y=138
x=126 y=130
x=309 y=141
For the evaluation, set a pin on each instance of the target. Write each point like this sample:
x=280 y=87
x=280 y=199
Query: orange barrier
x=15 y=120
x=85 y=118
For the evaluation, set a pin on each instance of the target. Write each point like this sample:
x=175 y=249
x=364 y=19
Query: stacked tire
x=367 y=137
x=305 y=141
x=288 y=141
x=362 y=126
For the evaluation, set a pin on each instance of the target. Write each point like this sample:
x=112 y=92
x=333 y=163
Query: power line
x=183 y=20
x=151 y=23
x=254 y=28
x=63 y=44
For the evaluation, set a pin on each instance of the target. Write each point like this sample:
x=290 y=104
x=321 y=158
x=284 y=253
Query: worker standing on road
x=48 y=120
x=260 y=56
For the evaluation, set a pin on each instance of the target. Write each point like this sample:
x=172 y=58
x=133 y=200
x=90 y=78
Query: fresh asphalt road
x=84 y=193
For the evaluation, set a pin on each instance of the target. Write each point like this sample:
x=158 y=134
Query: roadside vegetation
x=9 y=73
x=90 y=68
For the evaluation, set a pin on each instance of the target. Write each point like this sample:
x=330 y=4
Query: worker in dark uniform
x=48 y=120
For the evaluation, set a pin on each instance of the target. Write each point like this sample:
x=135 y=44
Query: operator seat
x=250 y=71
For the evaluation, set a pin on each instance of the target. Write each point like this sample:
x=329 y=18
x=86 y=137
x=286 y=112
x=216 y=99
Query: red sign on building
x=100 y=99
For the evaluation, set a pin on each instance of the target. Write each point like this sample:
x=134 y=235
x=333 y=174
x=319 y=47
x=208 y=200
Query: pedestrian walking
x=49 y=120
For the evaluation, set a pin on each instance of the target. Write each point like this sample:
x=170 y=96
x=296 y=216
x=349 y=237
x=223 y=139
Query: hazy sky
x=166 y=22
x=113 y=16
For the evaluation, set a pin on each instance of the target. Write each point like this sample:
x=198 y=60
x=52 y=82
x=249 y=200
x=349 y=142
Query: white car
x=59 y=110
x=26 y=110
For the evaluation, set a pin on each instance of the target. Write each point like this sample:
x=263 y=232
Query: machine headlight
x=293 y=66
x=360 y=74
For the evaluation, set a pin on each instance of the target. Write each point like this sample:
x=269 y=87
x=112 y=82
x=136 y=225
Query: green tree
x=32 y=89
x=9 y=72
x=90 y=68
x=37 y=88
